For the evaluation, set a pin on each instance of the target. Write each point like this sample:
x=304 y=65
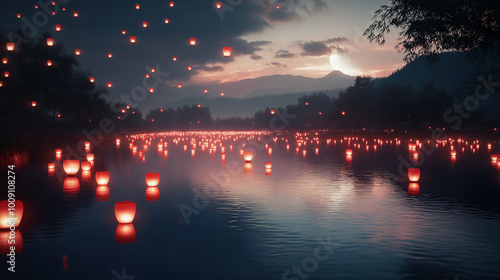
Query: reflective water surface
x=316 y=214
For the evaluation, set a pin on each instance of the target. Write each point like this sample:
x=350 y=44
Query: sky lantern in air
x=92 y=79
x=110 y=55
x=71 y=166
x=226 y=51
x=137 y=6
x=124 y=31
x=5 y=60
x=192 y=41
x=171 y=3
x=78 y=51
x=10 y=46
x=222 y=94
x=189 y=68
x=152 y=179
x=49 y=62
x=206 y=90
x=413 y=174
x=179 y=85
x=102 y=178
x=125 y=212
x=6 y=74
x=144 y=24
x=166 y=21
x=75 y=13
x=50 y=42
x=6 y=218
x=110 y=84
x=132 y=39
x=174 y=58
x=218 y=5
x=33 y=103
x=58 y=27
x=86 y=165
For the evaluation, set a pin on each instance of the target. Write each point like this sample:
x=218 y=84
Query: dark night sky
x=308 y=38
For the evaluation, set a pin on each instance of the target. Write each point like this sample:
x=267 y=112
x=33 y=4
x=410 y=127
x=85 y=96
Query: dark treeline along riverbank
x=38 y=101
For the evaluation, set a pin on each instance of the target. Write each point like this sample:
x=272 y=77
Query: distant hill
x=222 y=107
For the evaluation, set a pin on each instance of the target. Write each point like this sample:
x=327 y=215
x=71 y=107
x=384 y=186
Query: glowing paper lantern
x=125 y=234
x=152 y=179
x=6 y=74
x=90 y=157
x=171 y=3
x=1 y=84
x=268 y=165
x=49 y=63
x=151 y=90
x=51 y=165
x=144 y=24
x=78 y=51
x=10 y=46
x=5 y=60
x=6 y=219
x=413 y=174
x=125 y=211
x=110 y=84
x=152 y=193
x=179 y=85
x=71 y=166
x=50 y=42
x=248 y=156
x=174 y=58
x=92 y=79
x=166 y=21
x=132 y=39
x=58 y=152
x=58 y=27
x=33 y=103
x=192 y=41
x=189 y=68
x=102 y=177
x=348 y=152
x=226 y=51
x=110 y=55
x=75 y=14
x=137 y=6
x=218 y=5
x=18 y=15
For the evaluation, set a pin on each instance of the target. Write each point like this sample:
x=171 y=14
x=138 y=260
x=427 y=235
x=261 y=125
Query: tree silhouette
x=430 y=27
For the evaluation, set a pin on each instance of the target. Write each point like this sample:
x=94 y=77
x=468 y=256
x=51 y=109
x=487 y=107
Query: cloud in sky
x=284 y=54
x=277 y=64
x=319 y=48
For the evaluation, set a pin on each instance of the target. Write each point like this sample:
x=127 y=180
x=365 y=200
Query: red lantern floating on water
x=125 y=211
x=132 y=39
x=192 y=41
x=152 y=193
x=78 y=51
x=50 y=42
x=6 y=218
x=206 y=90
x=71 y=166
x=125 y=234
x=218 y=5
x=413 y=174
x=226 y=51
x=248 y=156
x=102 y=177
x=152 y=179
x=10 y=46
x=18 y=15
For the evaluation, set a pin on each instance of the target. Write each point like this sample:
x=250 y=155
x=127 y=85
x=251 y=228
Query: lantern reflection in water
x=413 y=189
x=6 y=242
x=102 y=193
x=71 y=186
x=86 y=175
x=248 y=167
x=125 y=211
x=125 y=234
x=6 y=217
x=152 y=194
